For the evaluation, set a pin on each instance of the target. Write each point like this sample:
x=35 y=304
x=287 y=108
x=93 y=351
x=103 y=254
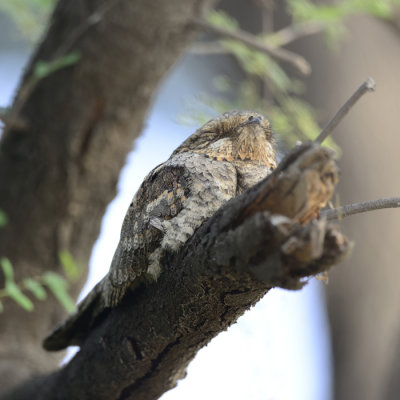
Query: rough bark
x=228 y=265
x=363 y=297
x=60 y=166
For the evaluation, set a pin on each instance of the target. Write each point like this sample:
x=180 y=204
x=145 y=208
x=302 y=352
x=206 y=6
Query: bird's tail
x=74 y=330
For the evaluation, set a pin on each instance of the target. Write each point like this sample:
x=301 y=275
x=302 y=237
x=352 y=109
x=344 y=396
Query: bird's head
x=234 y=136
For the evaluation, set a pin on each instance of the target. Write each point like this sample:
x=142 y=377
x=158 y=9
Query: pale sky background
x=280 y=348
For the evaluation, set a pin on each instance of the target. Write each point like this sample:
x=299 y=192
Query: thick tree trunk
x=60 y=158
x=58 y=171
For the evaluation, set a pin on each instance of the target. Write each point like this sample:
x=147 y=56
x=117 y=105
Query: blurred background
x=339 y=340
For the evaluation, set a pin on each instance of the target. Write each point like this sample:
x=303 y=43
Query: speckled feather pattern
x=220 y=160
x=173 y=201
x=216 y=163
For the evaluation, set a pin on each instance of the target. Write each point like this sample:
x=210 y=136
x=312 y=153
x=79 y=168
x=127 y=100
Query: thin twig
x=13 y=120
x=294 y=31
x=279 y=38
x=208 y=48
x=367 y=86
x=356 y=208
x=93 y=19
x=299 y=62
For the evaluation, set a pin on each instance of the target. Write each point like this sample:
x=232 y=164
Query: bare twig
x=95 y=18
x=279 y=38
x=299 y=62
x=365 y=206
x=367 y=86
x=13 y=120
x=294 y=31
x=356 y=208
x=207 y=48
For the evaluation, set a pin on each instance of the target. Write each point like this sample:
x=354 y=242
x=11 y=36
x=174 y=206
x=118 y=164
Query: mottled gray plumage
x=220 y=160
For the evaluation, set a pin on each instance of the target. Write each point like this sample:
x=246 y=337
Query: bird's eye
x=250 y=118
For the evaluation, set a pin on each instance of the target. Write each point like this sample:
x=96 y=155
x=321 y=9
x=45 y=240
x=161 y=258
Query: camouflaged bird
x=220 y=160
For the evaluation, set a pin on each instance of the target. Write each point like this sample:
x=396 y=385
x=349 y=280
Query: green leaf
x=58 y=286
x=42 y=69
x=258 y=64
x=305 y=10
x=3 y=219
x=45 y=68
x=7 y=268
x=16 y=294
x=222 y=20
x=1 y=307
x=36 y=288
x=71 y=268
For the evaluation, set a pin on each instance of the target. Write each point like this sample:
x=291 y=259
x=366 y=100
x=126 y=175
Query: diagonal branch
x=294 y=32
x=253 y=243
x=65 y=140
x=279 y=38
x=29 y=85
x=367 y=86
x=297 y=61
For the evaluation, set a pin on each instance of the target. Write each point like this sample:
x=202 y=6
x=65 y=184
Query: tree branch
x=29 y=85
x=294 y=32
x=279 y=38
x=297 y=61
x=207 y=48
x=228 y=265
x=59 y=173
x=11 y=121
x=356 y=208
x=367 y=86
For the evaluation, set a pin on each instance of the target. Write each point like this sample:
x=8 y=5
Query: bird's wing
x=160 y=198
x=172 y=202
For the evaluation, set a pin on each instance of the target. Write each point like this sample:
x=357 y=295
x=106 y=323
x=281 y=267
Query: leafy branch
x=290 y=115
x=280 y=54
x=37 y=285
x=260 y=57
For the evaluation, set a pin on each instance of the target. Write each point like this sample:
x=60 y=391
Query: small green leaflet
x=35 y=288
x=3 y=219
x=70 y=267
x=58 y=286
x=7 y=268
x=45 y=68
x=13 y=290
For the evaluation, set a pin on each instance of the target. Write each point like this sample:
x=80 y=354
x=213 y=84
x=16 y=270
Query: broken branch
x=367 y=86
x=230 y=262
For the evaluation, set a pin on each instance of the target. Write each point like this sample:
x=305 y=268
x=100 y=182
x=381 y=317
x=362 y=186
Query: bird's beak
x=254 y=120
